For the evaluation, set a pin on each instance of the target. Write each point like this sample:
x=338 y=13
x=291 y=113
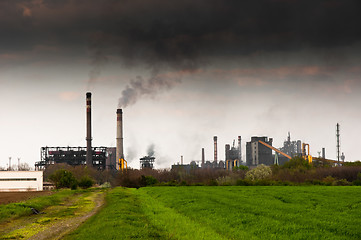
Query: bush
x=341 y=182
x=356 y=183
x=224 y=181
x=106 y=185
x=63 y=179
x=297 y=163
x=244 y=182
x=147 y=181
x=86 y=182
x=241 y=167
x=328 y=180
x=260 y=172
x=212 y=182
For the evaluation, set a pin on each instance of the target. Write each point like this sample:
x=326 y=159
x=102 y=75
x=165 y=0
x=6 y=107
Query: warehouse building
x=12 y=181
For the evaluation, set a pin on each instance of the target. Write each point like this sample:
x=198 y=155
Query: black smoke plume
x=140 y=87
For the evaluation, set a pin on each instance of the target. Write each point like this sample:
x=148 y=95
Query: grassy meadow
x=57 y=210
x=234 y=212
x=13 y=210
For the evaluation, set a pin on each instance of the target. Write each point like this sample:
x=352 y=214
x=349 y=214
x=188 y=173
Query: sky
x=182 y=71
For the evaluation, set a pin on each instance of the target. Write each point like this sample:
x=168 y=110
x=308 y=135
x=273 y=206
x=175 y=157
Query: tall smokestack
x=240 y=148
x=89 y=153
x=203 y=157
x=119 y=151
x=323 y=153
x=215 y=149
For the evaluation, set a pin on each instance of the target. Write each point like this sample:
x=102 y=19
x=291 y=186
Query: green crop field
x=200 y=212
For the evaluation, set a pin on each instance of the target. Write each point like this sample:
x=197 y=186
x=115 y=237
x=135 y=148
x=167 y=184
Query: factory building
x=257 y=153
x=11 y=181
x=233 y=155
x=185 y=167
x=102 y=157
x=291 y=148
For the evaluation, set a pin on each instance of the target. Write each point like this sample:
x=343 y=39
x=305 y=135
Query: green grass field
x=302 y=212
x=13 y=210
x=61 y=208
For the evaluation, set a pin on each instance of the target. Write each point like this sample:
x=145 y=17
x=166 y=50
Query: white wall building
x=21 y=181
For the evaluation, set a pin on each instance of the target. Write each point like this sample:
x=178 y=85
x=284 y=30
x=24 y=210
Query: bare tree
x=23 y=167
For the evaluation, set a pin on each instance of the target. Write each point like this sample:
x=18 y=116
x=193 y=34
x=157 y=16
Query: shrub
x=241 y=167
x=297 y=163
x=212 y=182
x=183 y=183
x=315 y=182
x=147 y=181
x=260 y=172
x=328 y=180
x=244 y=182
x=106 y=185
x=356 y=183
x=341 y=182
x=86 y=182
x=63 y=179
x=224 y=181
x=74 y=186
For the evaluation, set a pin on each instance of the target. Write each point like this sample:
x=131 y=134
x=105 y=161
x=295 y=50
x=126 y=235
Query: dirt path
x=61 y=228
x=57 y=221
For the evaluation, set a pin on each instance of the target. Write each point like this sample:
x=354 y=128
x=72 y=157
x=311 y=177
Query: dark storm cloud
x=180 y=32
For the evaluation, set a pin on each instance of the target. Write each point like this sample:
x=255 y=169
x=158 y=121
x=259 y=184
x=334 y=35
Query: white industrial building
x=21 y=181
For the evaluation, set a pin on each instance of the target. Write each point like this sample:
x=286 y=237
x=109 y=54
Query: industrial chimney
x=203 y=157
x=89 y=153
x=240 y=148
x=215 y=149
x=119 y=151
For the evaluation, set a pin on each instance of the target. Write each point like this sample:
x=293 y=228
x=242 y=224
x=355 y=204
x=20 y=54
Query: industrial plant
x=100 y=158
x=259 y=150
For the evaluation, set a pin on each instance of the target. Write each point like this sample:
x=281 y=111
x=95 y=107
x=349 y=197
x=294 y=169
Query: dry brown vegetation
x=295 y=172
x=11 y=197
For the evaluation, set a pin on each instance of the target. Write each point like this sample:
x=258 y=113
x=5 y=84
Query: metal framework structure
x=147 y=162
x=274 y=149
x=71 y=155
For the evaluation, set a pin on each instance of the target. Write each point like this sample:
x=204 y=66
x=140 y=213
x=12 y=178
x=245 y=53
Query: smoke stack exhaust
x=89 y=153
x=215 y=149
x=119 y=151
